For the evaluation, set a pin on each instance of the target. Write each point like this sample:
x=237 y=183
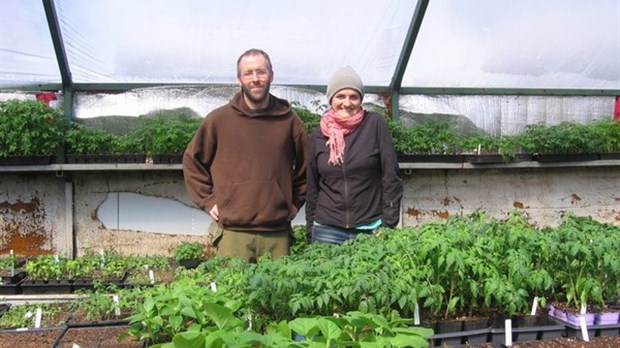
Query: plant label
x=117 y=308
x=584 y=328
x=37 y=318
x=508 y=334
x=534 y=306
x=12 y=263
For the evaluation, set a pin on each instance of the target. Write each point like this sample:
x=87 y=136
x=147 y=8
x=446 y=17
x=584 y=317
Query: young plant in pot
x=32 y=132
x=188 y=254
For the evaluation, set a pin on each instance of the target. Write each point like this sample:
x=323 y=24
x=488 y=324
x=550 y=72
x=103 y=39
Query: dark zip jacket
x=366 y=187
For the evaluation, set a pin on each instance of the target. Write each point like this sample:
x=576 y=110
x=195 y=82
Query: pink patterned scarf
x=335 y=128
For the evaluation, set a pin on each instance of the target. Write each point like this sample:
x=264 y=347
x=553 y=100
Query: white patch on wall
x=132 y=211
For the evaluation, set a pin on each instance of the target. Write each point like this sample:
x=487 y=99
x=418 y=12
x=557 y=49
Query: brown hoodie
x=251 y=163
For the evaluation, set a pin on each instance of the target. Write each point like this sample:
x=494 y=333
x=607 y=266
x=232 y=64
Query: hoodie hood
x=277 y=107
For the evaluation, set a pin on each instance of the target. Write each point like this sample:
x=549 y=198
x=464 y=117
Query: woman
x=354 y=184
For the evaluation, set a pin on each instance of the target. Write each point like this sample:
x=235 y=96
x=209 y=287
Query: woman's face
x=346 y=102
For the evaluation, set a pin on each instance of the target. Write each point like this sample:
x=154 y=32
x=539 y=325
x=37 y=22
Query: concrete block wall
x=148 y=212
x=543 y=194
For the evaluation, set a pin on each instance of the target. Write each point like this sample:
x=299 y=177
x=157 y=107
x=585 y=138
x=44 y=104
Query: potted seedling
x=164 y=136
x=47 y=274
x=11 y=273
x=87 y=144
x=567 y=141
x=426 y=142
x=32 y=132
x=188 y=254
x=607 y=133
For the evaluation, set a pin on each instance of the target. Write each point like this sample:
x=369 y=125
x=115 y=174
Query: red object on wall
x=47 y=97
x=617 y=109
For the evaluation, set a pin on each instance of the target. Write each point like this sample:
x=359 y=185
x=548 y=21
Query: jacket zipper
x=346 y=196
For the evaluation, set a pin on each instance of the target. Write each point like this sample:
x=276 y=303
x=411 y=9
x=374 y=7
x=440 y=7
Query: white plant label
x=508 y=334
x=37 y=318
x=151 y=276
x=249 y=322
x=534 y=305
x=117 y=306
x=416 y=315
x=584 y=328
x=213 y=287
x=12 y=263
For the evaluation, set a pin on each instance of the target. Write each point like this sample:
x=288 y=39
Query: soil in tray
x=596 y=342
x=31 y=338
x=53 y=315
x=140 y=277
x=101 y=337
x=563 y=342
x=80 y=317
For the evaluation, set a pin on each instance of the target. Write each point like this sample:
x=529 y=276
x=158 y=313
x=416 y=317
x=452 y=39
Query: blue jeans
x=336 y=235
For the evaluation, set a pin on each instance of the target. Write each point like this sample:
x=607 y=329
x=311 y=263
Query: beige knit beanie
x=344 y=78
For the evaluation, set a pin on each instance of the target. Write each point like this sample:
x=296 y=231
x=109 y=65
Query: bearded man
x=246 y=166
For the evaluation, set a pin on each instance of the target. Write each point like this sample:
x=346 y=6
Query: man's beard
x=247 y=93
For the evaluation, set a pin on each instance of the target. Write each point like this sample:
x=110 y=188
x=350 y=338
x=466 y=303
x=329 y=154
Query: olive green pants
x=249 y=245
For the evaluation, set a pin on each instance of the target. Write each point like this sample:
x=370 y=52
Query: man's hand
x=215 y=214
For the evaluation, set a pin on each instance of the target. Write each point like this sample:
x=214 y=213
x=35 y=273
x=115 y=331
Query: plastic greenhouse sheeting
x=484 y=44
x=495 y=115
x=518 y=44
x=509 y=115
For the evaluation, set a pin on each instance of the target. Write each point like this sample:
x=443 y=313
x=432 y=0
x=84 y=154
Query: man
x=246 y=166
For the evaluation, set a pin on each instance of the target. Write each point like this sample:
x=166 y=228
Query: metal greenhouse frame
x=394 y=88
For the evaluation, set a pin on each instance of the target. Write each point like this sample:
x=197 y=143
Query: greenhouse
x=504 y=116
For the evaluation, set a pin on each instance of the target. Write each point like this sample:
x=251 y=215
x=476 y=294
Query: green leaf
x=280 y=328
x=307 y=327
x=329 y=330
x=415 y=330
x=222 y=316
x=190 y=339
x=408 y=341
x=189 y=312
x=175 y=322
